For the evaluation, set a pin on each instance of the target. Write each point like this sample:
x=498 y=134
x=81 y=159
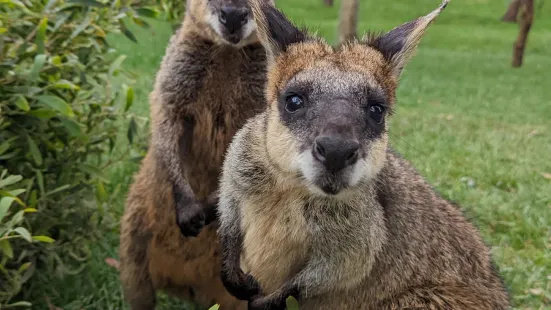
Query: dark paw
x=191 y=219
x=267 y=303
x=242 y=286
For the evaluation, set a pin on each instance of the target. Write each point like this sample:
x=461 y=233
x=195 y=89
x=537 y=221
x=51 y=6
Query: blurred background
x=74 y=83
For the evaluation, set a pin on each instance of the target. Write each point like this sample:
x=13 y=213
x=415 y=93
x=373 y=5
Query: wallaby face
x=335 y=133
x=231 y=20
x=330 y=107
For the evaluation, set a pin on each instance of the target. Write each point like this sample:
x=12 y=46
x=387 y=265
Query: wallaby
x=314 y=204
x=348 y=20
x=210 y=81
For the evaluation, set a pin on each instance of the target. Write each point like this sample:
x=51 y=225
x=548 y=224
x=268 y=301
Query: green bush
x=64 y=102
x=173 y=10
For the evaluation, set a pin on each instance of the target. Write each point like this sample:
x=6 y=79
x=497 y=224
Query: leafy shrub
x=14 y=273
x=64 y=101
x=173 y=10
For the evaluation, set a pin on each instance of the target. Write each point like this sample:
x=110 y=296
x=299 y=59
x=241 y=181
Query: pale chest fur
x=275 y=243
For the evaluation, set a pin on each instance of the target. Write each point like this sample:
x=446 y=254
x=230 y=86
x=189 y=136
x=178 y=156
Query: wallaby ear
x=399 y=44
x=274 y=29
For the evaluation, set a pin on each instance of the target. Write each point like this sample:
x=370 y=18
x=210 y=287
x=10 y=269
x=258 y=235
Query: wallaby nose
x=336 y=153
x=232 y=18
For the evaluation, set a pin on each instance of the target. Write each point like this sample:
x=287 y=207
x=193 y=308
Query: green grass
x=478 y=129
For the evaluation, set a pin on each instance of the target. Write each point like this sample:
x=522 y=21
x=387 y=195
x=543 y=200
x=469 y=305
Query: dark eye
x=293 y=103
x=376 y=113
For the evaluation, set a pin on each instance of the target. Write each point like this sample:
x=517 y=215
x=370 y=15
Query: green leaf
x=35 y=152
x=292 y=303
x=5 y=246
x=56 y=60
x=19 y=304
x=101 y=193
x=43 y=239
x=215 y=307
x=24 y=267
x=64 y=84
x=30 y=210
x=16 y=192
x=116 y=64
x=10 y=155
x=132 y=129
x=39 y=61
x=91 y=3
x=5 y=146
x=59 y=189
x=5 y=204
x=127 y=32
x=12 y=179
x=129 y=99
x=22 y=103
x=41 y=35
x=13 y=194
x=141 y=22
x=23 y=232
x=26 y=90
x=73 y=128
x=15 y=2
x=94 y=171
x=32 y=199
x=57 y=104
x=145 y=12
x=43 y=113
x=40 y=181
x=81 y=27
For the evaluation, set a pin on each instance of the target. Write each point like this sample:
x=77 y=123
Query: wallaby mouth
x=233 y=39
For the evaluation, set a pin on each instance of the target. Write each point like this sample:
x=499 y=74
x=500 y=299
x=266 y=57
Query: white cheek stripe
x=212 y=19
x=248 y=29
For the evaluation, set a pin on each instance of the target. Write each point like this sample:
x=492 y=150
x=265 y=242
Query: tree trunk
x=512 y=11
x=526 y=19
x=348 y=20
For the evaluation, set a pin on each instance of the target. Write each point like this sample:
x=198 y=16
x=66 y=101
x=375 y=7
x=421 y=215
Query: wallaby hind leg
x=134 y=274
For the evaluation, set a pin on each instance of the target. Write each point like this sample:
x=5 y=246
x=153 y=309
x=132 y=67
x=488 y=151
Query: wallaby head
x=329 y=107
x=225 y=21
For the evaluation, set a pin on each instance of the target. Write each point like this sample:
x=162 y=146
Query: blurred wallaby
x=314 y=203
x=210 y=81
x=348 y=20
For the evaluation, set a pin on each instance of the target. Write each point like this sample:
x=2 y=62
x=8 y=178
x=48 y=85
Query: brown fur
x=388 y=241
x=204 y=92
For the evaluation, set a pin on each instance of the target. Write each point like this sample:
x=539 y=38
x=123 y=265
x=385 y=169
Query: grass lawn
x=478 y=129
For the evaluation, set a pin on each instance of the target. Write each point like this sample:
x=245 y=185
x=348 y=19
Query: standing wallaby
x=210 y=82
x=314 y=203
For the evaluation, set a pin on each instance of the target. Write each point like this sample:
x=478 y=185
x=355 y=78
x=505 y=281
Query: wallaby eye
x=376 y=113
x=293 y=103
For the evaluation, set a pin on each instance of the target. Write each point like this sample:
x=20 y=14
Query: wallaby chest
x=231 y=92
x=276 y=239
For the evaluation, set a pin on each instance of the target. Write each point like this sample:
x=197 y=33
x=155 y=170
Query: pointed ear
x=274 y=29
x=399 y=44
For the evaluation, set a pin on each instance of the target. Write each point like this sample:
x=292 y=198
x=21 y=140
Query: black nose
x=336 y=153
x=232 y=18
